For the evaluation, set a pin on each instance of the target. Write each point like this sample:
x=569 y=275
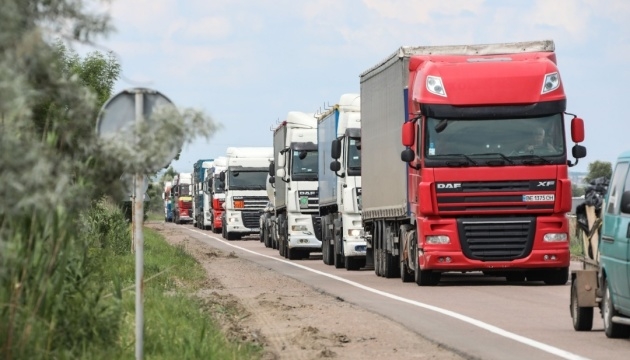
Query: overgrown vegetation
x=61 y=286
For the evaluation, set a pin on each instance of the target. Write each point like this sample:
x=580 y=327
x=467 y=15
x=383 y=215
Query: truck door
x=615 y=240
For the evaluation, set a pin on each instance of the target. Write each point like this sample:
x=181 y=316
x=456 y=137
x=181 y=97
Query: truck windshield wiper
x=536 y=159
x=470 y=160
x=502 y=156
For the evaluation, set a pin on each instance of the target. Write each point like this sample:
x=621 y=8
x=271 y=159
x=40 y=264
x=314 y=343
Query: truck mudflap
x=585 y=282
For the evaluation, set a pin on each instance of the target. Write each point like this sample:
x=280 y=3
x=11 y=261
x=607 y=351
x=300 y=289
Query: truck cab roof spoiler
x=468 y=50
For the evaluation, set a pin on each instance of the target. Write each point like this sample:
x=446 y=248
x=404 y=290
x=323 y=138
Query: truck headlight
x=298 y=228
x=438 y=239
x=555 y=237
x=435 y=85
x=232 y=220
x=355 y=232
x=551 y=82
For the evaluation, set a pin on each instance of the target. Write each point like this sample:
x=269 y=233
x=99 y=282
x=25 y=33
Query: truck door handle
x=609 y=239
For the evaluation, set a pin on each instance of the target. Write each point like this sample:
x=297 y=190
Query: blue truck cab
x=614 y=249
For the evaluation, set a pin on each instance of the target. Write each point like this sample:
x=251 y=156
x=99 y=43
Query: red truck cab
x=488 y=186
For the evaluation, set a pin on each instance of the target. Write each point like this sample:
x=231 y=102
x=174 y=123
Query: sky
x=248 y=63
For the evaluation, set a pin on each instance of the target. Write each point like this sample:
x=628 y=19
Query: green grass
x=176 y=327
x=155 y=216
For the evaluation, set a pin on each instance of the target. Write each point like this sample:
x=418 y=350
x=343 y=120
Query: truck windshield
x=184 y=189
x=247 y=180
x=354 y=154
x=218 y=186
x=478 y=142
x=304 y=165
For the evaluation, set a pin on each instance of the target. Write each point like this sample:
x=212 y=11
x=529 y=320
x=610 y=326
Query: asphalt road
x=480 y=317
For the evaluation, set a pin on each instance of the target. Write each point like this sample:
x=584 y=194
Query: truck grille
x=497 y=239
x=249 y=211
x=458 y=197
x=312 y=205
x=251 y=219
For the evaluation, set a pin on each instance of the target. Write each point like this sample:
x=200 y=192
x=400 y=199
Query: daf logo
x=546 y=183
x=449 y=185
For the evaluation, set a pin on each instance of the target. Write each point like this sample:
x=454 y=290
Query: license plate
x=534 y=198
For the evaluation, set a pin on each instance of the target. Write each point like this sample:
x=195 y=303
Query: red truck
x=483 y=183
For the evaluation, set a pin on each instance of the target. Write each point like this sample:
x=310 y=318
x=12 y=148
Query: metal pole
x=139 y=239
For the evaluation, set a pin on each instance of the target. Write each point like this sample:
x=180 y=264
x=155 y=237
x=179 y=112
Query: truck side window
x=614 y=198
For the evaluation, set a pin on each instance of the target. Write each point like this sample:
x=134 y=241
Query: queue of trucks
x=449 y=159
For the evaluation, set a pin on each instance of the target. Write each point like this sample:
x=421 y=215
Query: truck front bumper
x=456 y=261
x=304 y=241
x=354 y=246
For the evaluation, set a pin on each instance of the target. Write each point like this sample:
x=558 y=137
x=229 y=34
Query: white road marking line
x=491 y=328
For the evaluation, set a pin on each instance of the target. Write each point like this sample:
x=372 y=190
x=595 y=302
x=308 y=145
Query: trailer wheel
x=377 y=248
x=611 y=329
x=582 y=316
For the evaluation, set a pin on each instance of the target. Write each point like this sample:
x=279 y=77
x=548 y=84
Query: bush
x=53 y=303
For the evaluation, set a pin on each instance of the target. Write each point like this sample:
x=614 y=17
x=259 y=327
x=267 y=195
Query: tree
x=597 y=169
x=53 y=168
x=577 y=191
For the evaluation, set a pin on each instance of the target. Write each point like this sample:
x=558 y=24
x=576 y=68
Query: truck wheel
x=353 y=263
x=611 y=329
x=338 y=252
x=405 y=275
x=231 y=236
x=377 y=248
x=556 y=277
x=425 y=277
x=582 y=316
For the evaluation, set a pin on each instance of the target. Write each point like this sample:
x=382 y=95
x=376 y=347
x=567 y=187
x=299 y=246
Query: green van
x=603 y=224
x=614 y=248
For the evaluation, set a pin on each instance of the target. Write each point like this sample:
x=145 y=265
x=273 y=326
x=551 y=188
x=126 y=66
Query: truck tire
x=582 y=316
x=611 y=329
x=405 y=275
x=377 y=248
x=338 y=252
x=425 y=277
x=556 y=276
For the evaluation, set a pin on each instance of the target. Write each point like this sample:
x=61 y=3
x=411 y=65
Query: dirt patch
x=290 y=319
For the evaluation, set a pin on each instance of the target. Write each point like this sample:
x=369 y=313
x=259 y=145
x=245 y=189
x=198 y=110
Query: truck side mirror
x=280 y=173
x=577 y=130
x=222 y=175
x=335 y=166
x=625 y=203
x=408 y=133
x=272 y=179
x=407 y=155
x=272 y=170
x=335 y=149
x=578 y=151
